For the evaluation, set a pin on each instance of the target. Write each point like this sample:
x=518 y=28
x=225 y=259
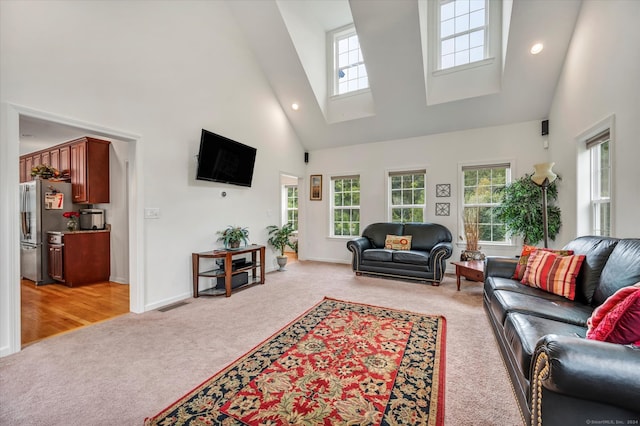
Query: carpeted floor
x=123 y=370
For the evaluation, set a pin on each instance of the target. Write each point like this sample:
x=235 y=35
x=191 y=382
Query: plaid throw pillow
x=553 y=273
x=398 y=242
x=524 y=258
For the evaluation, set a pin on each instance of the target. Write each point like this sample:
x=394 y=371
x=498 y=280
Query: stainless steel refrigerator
x=42 y=204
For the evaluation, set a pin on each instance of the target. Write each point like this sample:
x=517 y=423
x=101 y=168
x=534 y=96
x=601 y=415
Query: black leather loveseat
x=425 y=260
x=559 y=376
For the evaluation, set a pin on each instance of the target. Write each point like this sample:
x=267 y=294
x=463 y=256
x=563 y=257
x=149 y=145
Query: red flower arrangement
x=69 y=215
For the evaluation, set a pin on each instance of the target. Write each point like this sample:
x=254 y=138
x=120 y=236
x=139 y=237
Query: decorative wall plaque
x=443 y=209
x=443 y=190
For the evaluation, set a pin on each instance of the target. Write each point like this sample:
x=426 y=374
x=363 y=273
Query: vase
x=72 y=224
x=282 y=261
x=467 y=255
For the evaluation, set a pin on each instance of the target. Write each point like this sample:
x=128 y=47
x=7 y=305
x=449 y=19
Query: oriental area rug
x=340 y=363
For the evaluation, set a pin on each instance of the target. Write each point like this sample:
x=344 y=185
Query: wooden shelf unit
x=228 y=272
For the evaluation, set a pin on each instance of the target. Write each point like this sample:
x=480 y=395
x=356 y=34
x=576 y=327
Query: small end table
x=472 y=270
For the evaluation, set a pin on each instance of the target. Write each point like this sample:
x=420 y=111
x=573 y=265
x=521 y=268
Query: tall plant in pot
x=521 y=210
x=233 y=236
x=279 y=238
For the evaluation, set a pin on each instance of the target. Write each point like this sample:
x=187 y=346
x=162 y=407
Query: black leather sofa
x=425 y=261
x=560 y=377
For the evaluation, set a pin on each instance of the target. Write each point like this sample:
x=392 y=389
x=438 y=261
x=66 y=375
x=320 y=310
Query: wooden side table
x=472 y=270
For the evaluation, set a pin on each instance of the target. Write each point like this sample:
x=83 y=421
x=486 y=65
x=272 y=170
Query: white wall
x=439 y=154
x=600 y=80
x=161 y=70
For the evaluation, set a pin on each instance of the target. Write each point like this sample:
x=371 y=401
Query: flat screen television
x=224 y=160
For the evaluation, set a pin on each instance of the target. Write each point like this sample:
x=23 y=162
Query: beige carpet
x=123 y=370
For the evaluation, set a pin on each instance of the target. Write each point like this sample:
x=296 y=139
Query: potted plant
x=521 y=210
x=279 y=239
x=471 y=234
x=233 y=236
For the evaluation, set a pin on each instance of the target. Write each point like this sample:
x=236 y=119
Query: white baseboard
x=169 y=301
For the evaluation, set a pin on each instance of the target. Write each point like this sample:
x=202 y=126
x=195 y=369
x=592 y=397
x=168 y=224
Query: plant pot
x=234 y=244
x=471 y=255
x=282 y=260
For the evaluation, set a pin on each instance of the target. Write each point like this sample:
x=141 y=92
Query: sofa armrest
x=586 y=369
x=503 y=267
x=357 y=246
x=437 y=259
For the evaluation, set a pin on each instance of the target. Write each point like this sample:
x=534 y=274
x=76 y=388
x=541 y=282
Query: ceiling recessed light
x=536 y=48
x=295 y=106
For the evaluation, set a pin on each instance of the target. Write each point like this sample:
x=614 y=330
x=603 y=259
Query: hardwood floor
x=51 y=309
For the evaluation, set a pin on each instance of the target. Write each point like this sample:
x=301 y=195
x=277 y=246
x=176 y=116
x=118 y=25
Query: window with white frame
x=483 y=192
x=345 y=206
x=292 y=206
x=463 y=32
x=600 y=174
x=349 y=71
x=407 y=196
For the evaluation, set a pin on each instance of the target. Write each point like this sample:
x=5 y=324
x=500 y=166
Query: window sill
x=349 y=94
x=483 y=63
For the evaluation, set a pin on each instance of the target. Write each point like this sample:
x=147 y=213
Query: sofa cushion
x=551 y=307
x=617 y=320
x=378 y=255
x=524 y=258
x=412 y=257
x=621 y=270
x=596 y=251
x=553 y=273
x=523 y=331
x=492 y=284
x=377 y=233
x=398 y=242
x=426 y=235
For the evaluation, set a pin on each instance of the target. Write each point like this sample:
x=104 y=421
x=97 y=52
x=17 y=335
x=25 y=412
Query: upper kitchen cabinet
x=89 y=170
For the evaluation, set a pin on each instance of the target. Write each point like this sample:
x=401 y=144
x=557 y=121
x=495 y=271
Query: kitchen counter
x=83 y=231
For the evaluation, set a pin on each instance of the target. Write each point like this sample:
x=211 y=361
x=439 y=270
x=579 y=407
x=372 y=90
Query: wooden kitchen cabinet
x=22 y=170
x=65 y=158
x=86 y=257
x=89 y=170
x=56 y=262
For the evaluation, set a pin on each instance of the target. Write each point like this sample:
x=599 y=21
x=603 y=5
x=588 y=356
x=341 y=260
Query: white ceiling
x=389 y=32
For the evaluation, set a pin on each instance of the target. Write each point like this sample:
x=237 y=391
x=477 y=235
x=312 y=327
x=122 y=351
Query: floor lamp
x=543 y=177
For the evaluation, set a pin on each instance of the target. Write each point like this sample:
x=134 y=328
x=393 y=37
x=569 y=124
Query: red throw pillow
x=617 y=320
x=553 y=273
x=524 y=258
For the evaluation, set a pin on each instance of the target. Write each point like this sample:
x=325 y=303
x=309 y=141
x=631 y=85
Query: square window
x=476 y=38
x=476 y=19
x=462 y=42
x=447 y=28
x=447 y=11
x=462 y=57
x=448 y=47
x=462 y=23
x=462 y=7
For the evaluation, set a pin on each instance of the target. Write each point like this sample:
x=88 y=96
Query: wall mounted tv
x=224 y=160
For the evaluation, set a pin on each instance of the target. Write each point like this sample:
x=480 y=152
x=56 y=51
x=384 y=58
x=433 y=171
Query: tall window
x=407 y=196
x=345 y=206
x=349 y=71
x=598 y=147
x=292 y=206
x=463 y=32
x=483 y=191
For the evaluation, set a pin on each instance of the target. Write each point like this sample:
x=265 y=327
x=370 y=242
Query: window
x=292 y=206
x=349 y=72
x=600 y=173
x=483 y=191
x=463 y=32
x=407 y=196
x=345 y=206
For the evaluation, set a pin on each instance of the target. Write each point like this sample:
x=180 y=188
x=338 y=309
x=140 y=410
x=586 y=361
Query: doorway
x=289 y=211
x=11 y=287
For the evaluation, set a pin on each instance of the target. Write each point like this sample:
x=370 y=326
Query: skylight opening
x=463 y=32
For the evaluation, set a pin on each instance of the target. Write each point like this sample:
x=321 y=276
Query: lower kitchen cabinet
x=85 y=258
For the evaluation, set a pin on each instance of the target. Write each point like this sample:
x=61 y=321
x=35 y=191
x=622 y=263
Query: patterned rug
x=340 y=363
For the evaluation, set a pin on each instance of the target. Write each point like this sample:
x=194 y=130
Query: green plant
x=521 y=210
x=279 y=236
x=233 y=236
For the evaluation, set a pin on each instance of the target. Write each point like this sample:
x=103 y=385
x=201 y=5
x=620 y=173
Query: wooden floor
x=51 y=309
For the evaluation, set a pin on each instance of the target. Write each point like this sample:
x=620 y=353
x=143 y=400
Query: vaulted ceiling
x=392 y=39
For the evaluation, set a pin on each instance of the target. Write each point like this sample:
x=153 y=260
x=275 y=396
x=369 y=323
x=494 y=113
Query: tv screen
x=224 y=160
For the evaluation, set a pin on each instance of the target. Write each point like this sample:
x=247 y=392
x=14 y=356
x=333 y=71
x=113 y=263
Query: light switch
x=151 y=213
